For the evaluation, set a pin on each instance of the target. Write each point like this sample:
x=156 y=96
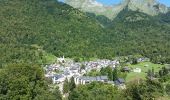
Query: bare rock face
x=95 y=7
x=150 y=7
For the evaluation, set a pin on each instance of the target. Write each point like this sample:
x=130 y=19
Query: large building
x=88 y=79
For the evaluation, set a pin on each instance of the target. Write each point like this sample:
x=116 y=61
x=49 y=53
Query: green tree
x=153 y=71
x=95 y=91
x=160 y=73
x=72 y=84
x=66 y=86
x=145 y=90
x=57 y=94
x=149 y=74
x=167 y=89
x=134 y=61
x=83 y=66
x=165 y=71
x=103 y=71
x=110 y=74
x=107 y=71
x=76 y=59
x=24 y=82
x=115 y=74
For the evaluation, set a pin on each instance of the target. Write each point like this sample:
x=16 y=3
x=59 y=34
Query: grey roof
x=66 y=73
x=92 y=78
x=116 y=82
x=104 y=77
x=58 y=76
x=126 y=68
x=97 y=78
x=73 y=68
x=119 y=81
x=110 y=82
x=84 y=77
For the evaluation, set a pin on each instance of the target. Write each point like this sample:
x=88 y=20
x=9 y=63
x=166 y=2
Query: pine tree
x=72 y=84
x=110 y=74
x=150 y=74
x=160 y=73
x=66 y=86
x=115 y=75
x=165 y=71
x=153 y=71
x=102 y=71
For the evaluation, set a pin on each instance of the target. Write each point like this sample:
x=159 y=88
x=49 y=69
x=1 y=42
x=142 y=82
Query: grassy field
x=163 y=98
x=47 y=58
x=144 y=66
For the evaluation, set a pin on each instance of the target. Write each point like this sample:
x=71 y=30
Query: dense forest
x=30 y=25
x=25 y=82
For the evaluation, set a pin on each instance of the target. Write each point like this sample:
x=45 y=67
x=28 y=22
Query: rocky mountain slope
x=150 y=7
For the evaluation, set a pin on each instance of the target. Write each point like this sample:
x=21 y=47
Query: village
x=67 y=68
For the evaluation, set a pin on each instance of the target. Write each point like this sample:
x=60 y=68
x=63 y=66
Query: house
x=137 y=70
x=120 y=83
x=126 y=69
x=88 y=79
x=75 y=69
x=58 y=79
x=68 y=74
x=143 y=59
x=83 y=71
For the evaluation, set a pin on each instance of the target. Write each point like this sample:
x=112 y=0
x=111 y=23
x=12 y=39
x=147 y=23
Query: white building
x=137 y=70
x=61 y=60
x=87 y=79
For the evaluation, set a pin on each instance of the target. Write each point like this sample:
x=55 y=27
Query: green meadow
x=144 y=66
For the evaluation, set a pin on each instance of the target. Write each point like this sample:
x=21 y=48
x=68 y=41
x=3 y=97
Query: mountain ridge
x=150 y=7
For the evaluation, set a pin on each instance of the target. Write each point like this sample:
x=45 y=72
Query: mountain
x=150 y=7
x=31 y=30
x=30 y=27
x=96 y=7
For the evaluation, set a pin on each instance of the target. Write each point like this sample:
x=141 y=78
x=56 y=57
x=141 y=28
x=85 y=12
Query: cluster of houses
x=98 y=64
x=67 y=68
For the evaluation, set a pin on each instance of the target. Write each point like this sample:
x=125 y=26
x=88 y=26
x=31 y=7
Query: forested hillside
x=29 y=27
x=52 y=26
x=143 y=34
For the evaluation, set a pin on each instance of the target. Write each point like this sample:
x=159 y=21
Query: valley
x=84 y=50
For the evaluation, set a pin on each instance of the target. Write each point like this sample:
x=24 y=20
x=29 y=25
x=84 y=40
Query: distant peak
x=150 y=7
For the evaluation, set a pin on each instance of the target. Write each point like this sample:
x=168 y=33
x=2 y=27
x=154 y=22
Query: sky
x=111 y=2
x=166 y=2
